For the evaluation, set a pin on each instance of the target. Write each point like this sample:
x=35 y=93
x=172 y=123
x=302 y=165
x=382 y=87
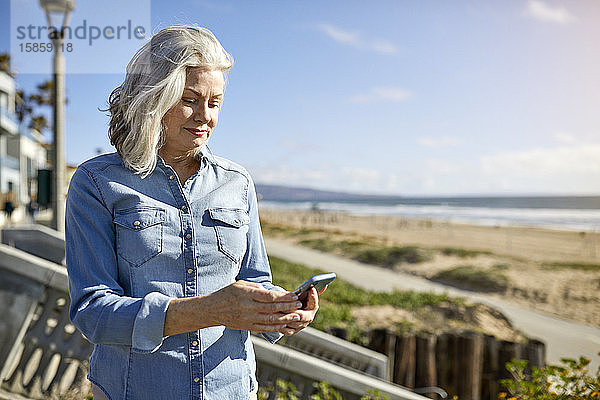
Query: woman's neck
x=184 y=165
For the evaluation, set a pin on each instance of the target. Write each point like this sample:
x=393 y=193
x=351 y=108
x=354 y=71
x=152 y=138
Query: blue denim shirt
x=134 y=244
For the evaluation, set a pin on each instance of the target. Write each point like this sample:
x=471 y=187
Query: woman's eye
x=215 y=104
x=189 y=101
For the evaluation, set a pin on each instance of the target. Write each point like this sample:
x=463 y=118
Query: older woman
x=167 y=268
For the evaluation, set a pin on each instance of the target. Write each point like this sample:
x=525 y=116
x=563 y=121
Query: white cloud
x=564 y=138
x=442 y=167
x=285 y=175
x=561 y=169
x=298 y=146
x=444 y=141
x=542 y=11
x=357 y=40
x=361 y=174
x=561 y=161
x=329 y=177
x=339 y=35
x=376 y=94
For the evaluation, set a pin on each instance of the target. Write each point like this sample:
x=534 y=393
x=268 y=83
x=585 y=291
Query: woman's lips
x=197 y=132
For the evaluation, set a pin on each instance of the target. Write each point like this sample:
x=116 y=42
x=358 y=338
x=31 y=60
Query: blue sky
x=396 y=97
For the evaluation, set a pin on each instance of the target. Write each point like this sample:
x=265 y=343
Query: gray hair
x=153 y=84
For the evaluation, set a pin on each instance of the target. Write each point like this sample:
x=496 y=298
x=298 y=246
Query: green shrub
x=569 y=381
x=323 y=245
x=390 y=256
x=284 y=390
x=463 y=253
x=470 y=277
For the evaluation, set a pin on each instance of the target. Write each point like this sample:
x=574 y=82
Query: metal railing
x=335 y=350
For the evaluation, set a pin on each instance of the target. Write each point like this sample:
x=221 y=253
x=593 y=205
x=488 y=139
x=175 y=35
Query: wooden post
x=489 y=384
x=404 y=363
x=381 y=342
x=446 y=362
x=339 y=332
x=377 y=340
x=535 y=353
x=425 y=363
x=470 y=348
x=508 y=351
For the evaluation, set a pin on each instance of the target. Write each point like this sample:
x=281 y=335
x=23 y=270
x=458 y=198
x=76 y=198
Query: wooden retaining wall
x=466 y=364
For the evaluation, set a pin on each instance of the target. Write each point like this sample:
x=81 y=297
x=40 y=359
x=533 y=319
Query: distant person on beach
x=168 y=272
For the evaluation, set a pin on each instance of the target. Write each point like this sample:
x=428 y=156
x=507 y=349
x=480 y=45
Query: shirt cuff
x=149 y=323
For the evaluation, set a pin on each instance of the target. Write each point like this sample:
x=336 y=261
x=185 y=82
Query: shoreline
x=577 y=220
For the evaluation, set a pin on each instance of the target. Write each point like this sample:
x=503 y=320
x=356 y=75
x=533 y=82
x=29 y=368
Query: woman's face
x=189 y=123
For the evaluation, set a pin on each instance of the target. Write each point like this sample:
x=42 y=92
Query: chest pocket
x=139 y=234
x=231 y=226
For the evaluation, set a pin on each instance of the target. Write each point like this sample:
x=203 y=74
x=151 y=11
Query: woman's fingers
x=278 y=319
x=258 y=293
x=249 y=306
x=307 y=314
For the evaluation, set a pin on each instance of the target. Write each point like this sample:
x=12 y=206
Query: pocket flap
x=230 y=216
x=139 y=219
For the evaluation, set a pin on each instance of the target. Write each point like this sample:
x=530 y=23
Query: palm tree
x=27 y=106
x=23 y=107
x=39 y=123
x=5 y=64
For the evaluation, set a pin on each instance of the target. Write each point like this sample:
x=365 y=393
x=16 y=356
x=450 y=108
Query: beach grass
x=463 y=253
x=369 y=250
x=473 y=278
x=591 y=267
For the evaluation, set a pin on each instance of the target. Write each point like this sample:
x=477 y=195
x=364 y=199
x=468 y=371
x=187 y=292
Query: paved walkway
x=563 y=338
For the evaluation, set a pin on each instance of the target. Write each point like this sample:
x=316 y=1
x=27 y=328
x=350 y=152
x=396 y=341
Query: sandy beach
x=547 y=270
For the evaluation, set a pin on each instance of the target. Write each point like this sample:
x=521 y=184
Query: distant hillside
x=286 y=193
x=292 y=194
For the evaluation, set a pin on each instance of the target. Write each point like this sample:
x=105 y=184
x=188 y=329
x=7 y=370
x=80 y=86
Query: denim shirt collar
x=205 y=155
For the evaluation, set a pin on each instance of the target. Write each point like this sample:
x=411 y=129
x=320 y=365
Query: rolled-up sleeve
x=99 y=306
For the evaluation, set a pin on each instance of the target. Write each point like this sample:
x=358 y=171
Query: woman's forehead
x=205 y=81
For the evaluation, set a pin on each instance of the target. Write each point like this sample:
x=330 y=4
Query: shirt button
x=190 y=271
x=196 y=379
x=136 y=223
x=195 y=343
x=237 y=221
x=188 y=236
x=171 y=177
x=183 y=207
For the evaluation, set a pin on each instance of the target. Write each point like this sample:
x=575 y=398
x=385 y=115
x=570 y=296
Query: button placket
x=190 y=284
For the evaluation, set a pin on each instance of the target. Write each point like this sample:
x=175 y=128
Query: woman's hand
x=249 y=306
x=307 y=314
x=241 y=305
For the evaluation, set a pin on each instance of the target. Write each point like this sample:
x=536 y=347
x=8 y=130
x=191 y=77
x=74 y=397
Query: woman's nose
x=202 y=114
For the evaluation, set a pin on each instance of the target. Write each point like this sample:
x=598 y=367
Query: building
x=22 y=152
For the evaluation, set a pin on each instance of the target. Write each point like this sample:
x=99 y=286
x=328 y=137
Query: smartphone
x=318 y=282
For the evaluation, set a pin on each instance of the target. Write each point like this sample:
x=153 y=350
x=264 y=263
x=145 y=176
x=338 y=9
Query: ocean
x=567 y=213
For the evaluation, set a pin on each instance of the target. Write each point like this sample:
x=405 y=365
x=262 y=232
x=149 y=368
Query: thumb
x=312 y=301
